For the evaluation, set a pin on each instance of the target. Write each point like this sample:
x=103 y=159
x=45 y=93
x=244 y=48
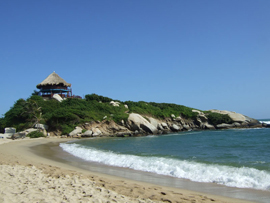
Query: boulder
x=19 y=135
x=154 y=122
x=160 y=127
x=87 y=133
x=175 y=127
x=186 y=127
x=29 y=130
x=41 y=126
x=224 y=126
x=201 y=115
x=236 y=117
x=76 y=131
x=9 y=132
x=126 y=106
x=113 y=103
x=236 y=124
x=57 y=97
x=137 y=122
x=96 y=132
x=164 y=125
x=209 y=126
x=180 y=120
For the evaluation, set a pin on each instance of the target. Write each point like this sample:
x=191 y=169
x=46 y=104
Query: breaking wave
x=243 y=177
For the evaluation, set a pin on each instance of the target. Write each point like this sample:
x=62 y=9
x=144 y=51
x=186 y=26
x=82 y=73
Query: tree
x=32 y=112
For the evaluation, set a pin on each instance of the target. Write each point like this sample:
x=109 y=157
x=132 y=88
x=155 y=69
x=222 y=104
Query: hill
x=113 y=116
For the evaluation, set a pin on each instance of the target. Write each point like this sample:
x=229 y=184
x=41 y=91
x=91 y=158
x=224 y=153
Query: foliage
x=14 y=117
x=217 y=118
x=66 y=129
x=35 y=134
x=70 y=112
x=98 y=98
x=36 y=92
x=160 y=110
x=2 y=125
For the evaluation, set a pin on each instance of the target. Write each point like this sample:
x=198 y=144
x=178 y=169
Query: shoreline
x=20 y=154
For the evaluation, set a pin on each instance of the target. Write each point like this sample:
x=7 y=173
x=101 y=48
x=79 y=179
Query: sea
x=235 y=158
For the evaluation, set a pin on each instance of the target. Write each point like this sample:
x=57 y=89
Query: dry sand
x=27 y=177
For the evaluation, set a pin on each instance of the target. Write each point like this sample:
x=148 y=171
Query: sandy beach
x=28 y=177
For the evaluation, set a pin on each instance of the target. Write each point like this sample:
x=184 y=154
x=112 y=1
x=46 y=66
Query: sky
x=202 y=54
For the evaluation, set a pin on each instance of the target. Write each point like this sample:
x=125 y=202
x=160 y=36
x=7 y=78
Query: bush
x=65 y=115
x=217 y=118
x=35 y=134
x=98 y=98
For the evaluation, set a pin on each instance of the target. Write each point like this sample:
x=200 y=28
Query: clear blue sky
x=203 y=54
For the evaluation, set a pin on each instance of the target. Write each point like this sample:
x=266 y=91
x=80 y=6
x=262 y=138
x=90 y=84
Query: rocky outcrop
x=139 y=123
x=113 y=103
x=239 y=120
x=224 y=126
x=19 y=135
x=96 y=132
x=57 y=97
x=76 y=131
x=202 y=120
x=175 y=128
x=236 y=117
x=87 y=133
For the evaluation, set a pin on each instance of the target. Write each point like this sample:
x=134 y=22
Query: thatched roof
x=53 y=79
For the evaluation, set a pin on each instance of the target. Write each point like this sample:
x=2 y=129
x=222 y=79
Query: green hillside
x=65 y=115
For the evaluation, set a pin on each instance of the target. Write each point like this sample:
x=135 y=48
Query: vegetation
x=160 y=110
x=216 y=118
x=35 y=134
x=65 y=115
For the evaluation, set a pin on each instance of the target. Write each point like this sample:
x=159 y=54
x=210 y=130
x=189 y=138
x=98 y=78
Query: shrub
x=35 y=134
x=98 y=98
x=217 y=118
x=66 y=129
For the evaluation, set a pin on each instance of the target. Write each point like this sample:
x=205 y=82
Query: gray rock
x=186 y=127
x=236 y=124
x=113 y=103
x=224 y=125
x=236 y=117
x=160 y=127
x=87 y=133
x=137 y=122
x=57 y=97
x=164 y=125
x=96 y=132
x=175 y=128
x=29 y=130
x=154 y=122
x=41 y=126
x=76 y=131
x=9 y=132
x=19 y=135
x=209 y=126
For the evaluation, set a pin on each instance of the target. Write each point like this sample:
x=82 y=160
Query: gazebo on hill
x=54 y=84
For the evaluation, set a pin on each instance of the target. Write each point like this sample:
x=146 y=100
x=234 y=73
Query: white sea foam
x=267 y=122
x=230 y=176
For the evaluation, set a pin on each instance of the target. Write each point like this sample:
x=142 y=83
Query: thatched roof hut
x=54 y=84
x=52 y=80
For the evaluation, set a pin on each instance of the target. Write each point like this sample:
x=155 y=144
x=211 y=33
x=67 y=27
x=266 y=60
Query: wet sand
x=37 y=170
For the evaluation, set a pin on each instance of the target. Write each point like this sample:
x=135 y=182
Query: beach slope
x=28 y=177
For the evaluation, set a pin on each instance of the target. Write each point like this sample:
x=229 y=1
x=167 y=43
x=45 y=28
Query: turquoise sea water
x=235 y=158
